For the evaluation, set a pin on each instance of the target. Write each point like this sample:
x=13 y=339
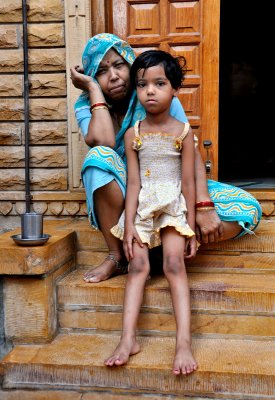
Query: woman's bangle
x=204 y=204
x=95 y=105
x=97 y=108
x=205 y=208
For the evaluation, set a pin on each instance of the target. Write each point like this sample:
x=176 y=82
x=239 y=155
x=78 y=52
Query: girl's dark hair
x=174 y=67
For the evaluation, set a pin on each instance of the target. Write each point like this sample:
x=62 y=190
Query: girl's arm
x=132 y=193
x=188 y=184
x=98 y=128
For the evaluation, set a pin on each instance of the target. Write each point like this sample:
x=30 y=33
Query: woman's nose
x=113 y=73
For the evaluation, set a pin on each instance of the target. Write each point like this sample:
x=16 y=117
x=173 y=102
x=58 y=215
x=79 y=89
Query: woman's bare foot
x=110 y=266
x=184 y=362
x=125 y=349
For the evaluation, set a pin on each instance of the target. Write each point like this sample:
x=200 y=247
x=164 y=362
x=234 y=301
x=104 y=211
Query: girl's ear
x=176 y=92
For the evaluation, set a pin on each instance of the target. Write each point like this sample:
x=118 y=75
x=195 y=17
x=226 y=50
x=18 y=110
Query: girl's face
x=113 y=76
x=154 y=90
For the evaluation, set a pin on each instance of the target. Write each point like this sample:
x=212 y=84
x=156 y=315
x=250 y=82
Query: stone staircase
x=233 y=305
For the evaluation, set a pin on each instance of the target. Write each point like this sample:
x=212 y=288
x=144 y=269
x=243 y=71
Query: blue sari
x=103 y=164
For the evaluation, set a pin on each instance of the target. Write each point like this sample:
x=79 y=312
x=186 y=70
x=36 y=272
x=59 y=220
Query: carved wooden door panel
x=188 y=28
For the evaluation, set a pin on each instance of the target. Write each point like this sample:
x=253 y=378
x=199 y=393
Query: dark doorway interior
x=246 y=130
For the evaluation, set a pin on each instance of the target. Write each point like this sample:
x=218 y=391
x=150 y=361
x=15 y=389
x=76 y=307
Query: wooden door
x=188 y=28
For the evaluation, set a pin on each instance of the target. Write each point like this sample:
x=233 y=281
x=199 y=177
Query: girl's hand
x=190 y=248
x=130 y=236
x=81 y=81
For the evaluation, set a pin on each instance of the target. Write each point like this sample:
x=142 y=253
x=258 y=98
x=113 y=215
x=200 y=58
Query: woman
x=107 y=107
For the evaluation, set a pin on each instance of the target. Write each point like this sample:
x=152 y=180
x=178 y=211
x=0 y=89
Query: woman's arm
x=209 y=227
x=188 y=177
x=188 y=189
x=100 y=126
x=132 y=193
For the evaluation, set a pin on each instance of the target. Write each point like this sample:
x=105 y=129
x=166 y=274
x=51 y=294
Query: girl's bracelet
x=205 y=208
x=202 y=204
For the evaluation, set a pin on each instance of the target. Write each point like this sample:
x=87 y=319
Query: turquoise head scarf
x=94 y=52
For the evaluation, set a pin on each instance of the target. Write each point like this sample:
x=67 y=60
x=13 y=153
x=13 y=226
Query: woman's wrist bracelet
x=98 y=108
x=205 y=208
x=202 y=204
x=100 y=103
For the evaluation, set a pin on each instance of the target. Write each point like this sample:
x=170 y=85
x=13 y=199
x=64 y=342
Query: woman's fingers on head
x=79 y=69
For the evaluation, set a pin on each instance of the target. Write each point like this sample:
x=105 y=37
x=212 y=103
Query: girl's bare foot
x=184 y=362
x=125 y=349
x=104 y=271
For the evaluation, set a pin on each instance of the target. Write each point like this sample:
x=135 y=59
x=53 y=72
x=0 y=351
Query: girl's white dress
x=160 y=201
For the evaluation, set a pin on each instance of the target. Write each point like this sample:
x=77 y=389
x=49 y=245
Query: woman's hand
x=130 y=236
x=81 y=81
x=209 y=227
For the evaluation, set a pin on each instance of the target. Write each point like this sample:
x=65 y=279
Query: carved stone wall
x=57 y=33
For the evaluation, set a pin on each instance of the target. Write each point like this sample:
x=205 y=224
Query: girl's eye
x=160 y=83
x=140 y=84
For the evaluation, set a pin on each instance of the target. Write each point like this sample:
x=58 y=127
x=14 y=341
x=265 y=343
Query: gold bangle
x=98 y=108
x=205 y=208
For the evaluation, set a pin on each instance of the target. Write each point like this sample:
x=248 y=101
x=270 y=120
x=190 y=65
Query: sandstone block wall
x=48 y=113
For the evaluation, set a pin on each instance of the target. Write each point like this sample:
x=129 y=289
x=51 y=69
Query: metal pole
x=26 y=107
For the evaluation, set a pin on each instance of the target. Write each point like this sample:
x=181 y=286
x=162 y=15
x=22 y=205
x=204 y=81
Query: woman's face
x=113 y=76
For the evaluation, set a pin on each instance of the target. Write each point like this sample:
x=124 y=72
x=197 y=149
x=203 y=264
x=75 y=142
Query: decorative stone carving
x=20 y=207
x=55 y=208
x=5 y=207
x=268 y=207
x=72 y=207
x=40 y=207
x=83 y=209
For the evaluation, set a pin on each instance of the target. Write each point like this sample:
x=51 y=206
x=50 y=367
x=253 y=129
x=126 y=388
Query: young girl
x=160 y=203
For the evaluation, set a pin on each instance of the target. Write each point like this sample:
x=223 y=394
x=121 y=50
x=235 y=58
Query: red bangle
x=98 y=104
x=204 y=204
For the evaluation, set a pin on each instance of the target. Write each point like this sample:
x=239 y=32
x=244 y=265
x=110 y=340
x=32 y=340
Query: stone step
x=37 y=260
x=98 y=394
x=205 y=261
x=220 y=305
x=153 y=323
x=227 y=367
x=250 y=253
x=211 y=292
x=263 y=241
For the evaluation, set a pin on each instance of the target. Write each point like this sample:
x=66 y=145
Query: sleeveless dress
x=160 y=202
